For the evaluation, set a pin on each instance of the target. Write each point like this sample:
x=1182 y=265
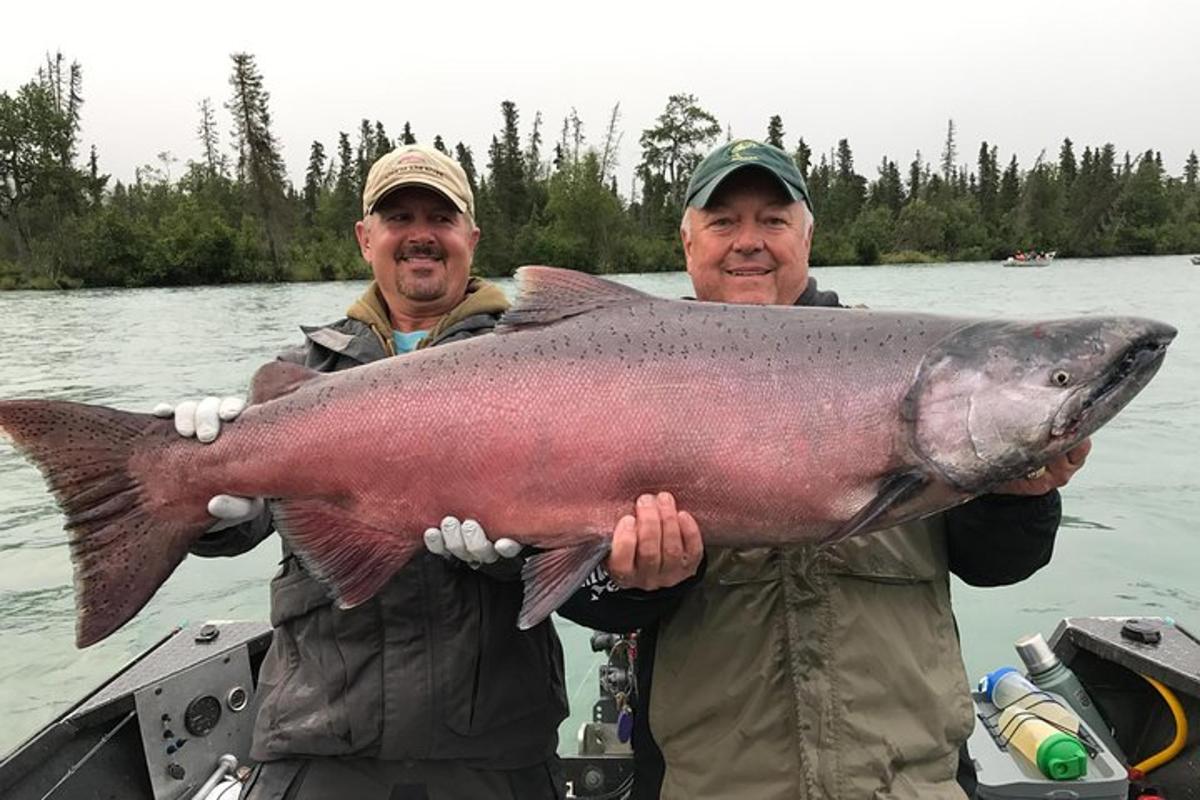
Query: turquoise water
x=1128 y=544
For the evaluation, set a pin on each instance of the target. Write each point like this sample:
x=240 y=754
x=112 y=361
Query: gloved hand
x=466 y=541
x=203 y=420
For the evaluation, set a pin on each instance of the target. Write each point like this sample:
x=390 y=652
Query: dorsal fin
x=548 y=294
x=277 y=379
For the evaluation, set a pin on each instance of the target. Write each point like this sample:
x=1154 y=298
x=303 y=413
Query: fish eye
x=1060 y=377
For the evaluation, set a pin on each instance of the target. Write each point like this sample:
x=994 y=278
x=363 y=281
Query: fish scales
x=769 y=424
x=534 y=418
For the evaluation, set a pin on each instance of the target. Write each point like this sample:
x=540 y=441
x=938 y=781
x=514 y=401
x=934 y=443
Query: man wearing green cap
x=428 y=690
x=802 y=672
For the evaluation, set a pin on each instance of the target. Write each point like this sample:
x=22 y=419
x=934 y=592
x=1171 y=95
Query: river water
x=1128 y=544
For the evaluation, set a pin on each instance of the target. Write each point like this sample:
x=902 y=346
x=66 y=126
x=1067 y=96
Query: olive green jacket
x=818 y=674
x=823 y=675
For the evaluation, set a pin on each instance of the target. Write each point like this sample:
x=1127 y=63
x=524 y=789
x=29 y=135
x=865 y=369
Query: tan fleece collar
x=482 y=298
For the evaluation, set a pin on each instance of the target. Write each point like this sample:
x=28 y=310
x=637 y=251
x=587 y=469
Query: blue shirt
x=407 y=342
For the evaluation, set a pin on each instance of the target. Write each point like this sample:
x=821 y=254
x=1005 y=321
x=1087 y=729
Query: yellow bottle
x=1057 y=755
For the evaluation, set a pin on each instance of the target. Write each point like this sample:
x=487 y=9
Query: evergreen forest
x=545 y=193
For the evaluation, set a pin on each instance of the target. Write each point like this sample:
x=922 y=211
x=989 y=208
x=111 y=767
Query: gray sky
x=886 y=75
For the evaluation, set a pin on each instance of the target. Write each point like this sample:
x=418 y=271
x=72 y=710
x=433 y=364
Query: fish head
x=996 y=400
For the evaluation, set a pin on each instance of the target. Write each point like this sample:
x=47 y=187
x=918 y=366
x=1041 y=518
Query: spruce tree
x=848 y=190
x=261 y=165
x=533 y=152
x=915 y=177
x=364 y=154
x=346 y=170
x=1067 y=168
x=1010 y=187
x=775 y=131
x=802 y=157
x=214 y=161
x=314 y=179
x=888 y=190
x=95 y=181
x=383 y=145
x=462 y=154
x=507 y=171
x=949 y=155
x=988 y=185
x=347 y=197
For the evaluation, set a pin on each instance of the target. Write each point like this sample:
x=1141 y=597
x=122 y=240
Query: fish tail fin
x=122 y=546
x=355 y=559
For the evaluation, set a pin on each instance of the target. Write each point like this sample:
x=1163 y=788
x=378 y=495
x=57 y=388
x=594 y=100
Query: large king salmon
x=769 y=424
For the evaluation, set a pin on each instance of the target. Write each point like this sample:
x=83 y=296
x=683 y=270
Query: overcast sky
x=885 y=75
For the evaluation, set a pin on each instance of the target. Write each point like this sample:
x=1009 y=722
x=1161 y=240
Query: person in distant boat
x=428 y=690
x=806 y=672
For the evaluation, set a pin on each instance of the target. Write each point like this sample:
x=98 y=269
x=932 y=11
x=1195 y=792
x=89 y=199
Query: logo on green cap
x=744 y=150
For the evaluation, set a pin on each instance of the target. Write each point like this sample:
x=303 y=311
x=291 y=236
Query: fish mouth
x=1144 y=354
x=1116 y=387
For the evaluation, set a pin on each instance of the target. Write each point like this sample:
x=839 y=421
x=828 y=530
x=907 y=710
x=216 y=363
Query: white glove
x=203 y=420
x=230 y=510
x=466 y=541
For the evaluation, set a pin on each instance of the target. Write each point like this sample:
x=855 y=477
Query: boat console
x=174 y=723
x=1113 y=657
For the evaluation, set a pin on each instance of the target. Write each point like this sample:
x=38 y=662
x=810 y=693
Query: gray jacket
x=433 y=667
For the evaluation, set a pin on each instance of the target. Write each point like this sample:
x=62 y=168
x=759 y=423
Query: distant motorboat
x=1029 y=259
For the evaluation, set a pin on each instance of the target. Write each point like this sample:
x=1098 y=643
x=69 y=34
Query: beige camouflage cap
x=418 y=165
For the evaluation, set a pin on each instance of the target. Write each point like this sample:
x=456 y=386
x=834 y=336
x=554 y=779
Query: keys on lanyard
x=624 y=718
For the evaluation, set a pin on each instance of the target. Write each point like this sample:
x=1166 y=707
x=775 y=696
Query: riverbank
x=12 y=280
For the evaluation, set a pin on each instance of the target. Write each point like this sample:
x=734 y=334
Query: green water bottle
x=1048 y=673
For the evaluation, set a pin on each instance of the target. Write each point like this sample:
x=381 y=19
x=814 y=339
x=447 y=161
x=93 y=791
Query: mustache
x=420 y=251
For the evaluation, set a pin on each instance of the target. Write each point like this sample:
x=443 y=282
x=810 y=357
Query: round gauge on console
x=202 y=715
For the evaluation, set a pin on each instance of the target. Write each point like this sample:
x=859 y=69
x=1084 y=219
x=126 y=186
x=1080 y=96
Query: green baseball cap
x=729 y=158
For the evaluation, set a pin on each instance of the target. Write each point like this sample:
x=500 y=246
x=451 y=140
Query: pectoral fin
x=551 y=577
x=352 y=557
x=895 y=490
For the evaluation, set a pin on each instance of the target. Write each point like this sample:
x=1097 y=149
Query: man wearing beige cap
x=428 y=690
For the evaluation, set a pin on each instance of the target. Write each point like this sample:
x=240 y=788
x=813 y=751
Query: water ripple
x=1080 y=523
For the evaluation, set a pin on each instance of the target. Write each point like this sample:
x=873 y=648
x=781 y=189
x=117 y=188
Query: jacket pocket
x=306 y=674
x=729 y=567
x=500 y=674
x=910 y=553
